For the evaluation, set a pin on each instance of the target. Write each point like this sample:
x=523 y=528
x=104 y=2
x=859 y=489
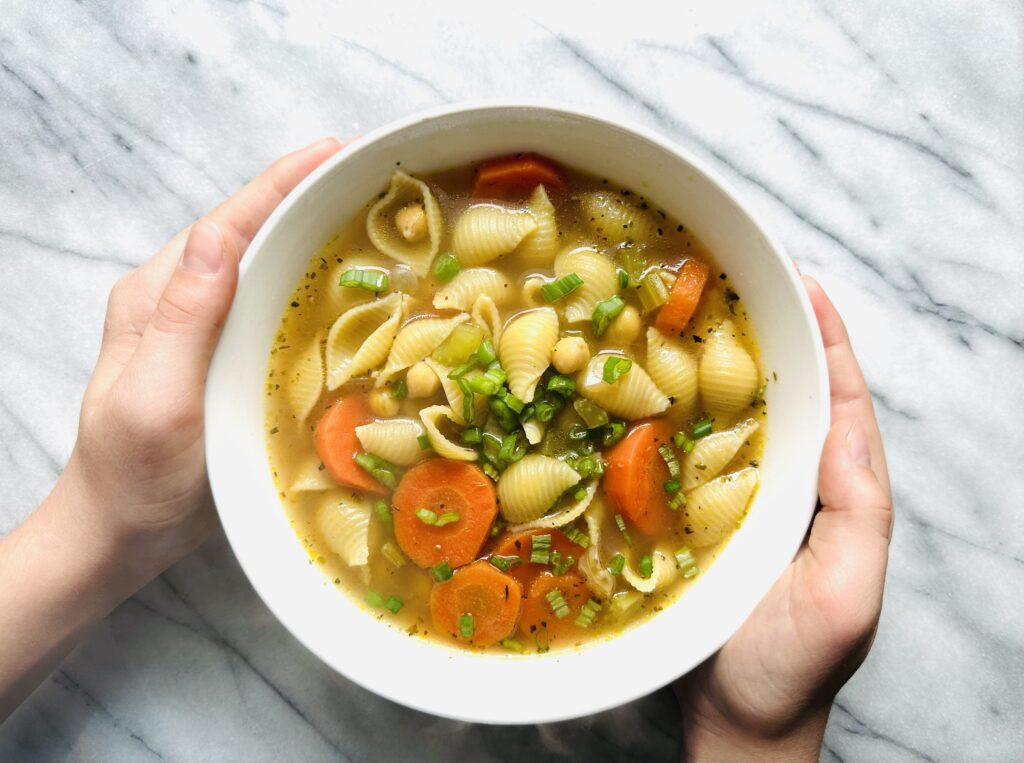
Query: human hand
x=137 y=475
x=766 y=694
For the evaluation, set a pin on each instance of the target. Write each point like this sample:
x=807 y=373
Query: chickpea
x=570 y=354
x=411 y=222
x=421 y=381
x=382 y=404
x=625 y=328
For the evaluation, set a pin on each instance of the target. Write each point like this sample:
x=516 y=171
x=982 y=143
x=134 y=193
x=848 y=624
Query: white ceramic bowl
x=447 y=681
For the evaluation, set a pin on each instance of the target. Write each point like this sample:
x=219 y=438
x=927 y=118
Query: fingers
x=850 y=396
x=847 y=485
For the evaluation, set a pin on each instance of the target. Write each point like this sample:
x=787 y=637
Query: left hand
x=138 y=467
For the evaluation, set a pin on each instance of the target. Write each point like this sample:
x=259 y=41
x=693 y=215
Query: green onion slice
x=615 y=368
x=470 y=436
x=505 y=563
x=563 y=287
x=540 y=549
x=370 y=280
x=606 y=312
x=393 y=604
x=446 y=267
x=561 y=565
x=485 y=353
x=466 y=626
x=646 y=565
x=671 y=486
x=512 y=645
x=623 y=277
x=687 y=563
x=613 y=432
x=447 y=518
x=621 y=524
x=423 y=441
x=669 y=457
x=383 y=512
x=616 y=563
x=441 y=572
x=426 y=516
x=701 y=429
x=561 y=385
x=683 y=442
x=399 y=390
x=557 y=602
x=576 y=535
x=587 y=614
x=383 y=471
x=677 y=501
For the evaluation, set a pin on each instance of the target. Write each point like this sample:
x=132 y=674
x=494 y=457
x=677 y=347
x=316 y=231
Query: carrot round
x=444 y=487
x=521 y=544
x=490 y=598
x=635 y=476
x=682 y=301
x=337 y=444
x=507 y=177
x=539 y=621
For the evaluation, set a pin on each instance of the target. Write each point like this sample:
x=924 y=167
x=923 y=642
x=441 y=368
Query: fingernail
x=857 y=444
x=323 y=143
x=203 y=248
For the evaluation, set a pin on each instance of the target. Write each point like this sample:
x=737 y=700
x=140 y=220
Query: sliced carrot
x=521 y=544
x=539 y=621
x=489 y=597
x=337 y=444
x=682 y=301
x=444 y=487
x=507 y=177
x=635 y=477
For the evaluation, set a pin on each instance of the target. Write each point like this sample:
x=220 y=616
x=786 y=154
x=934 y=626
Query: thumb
x=848 y=487
x=174 y=352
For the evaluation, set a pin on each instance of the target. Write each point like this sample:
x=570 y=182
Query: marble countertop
x=883 y=141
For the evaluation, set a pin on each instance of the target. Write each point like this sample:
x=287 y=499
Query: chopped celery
x=652 y=292
x=593 y=415
x=460 y=345
x=624 y=604
x=392 y=554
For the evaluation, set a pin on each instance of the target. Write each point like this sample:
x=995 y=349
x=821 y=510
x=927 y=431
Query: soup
x=513 y=407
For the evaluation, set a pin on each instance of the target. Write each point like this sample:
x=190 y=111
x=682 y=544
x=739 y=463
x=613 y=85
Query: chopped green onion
x=383 y=471
x=441 y=572
x=447 y=518
x=557 y=602
x=540 y=549
x=701 y=429
x=468 y=402
x=616 y=563
x=466 y=625
x=511 y=401
x=579 y=494
x=683 y=442
x=587 y=614
x=490 y=471
x=527 y=413
x=671 y=486
x=591 y=466
x=374 y=599
x=459 y=371
x=485 y=353
x=383 y=512
x=548 y=408
x=586 y=447
x=511 y=448
x=483 y=385
x=491 y=446
x=542 y=640
x=512 y=645
x=370 y=280
x=399 y=390
x=446 y=267
x=504 y=415
x=563 y=287
x=605 y=313
x=593 y=415
x=646 y=565
x=460 y=346
x=426 y=516
x=623 y=277
x=577 y=536
x=423 y=441
x=677 y=501
x=651 y=292
x=686 y=562
x=393 y=604
x=392 y=554
x=505 y=563
x=561 y=565
x=621 y=524
x=561 y=385
x=613 y=432
x=470 y=436
x=670 y=460
x=576 y=432
x=614 y=368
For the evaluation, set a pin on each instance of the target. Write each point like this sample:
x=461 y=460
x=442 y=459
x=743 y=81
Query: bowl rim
x=606 y=700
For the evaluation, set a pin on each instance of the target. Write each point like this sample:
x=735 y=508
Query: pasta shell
x=454 y=394
x=561 y=518
x=632 y=396
x=713 y=453
x=384 y=233
x=344 y=524
x=432 y=418
x=595 y=574
x=305 y=379
x=312 y=477
x=715 y=508
x=485 y=315
x=463 y=290
x=540 y=247
x=672 y=369
x=486 y=231
x=531 y=485
x=615 y=219
x=525 y=349
x=663 y=570
x=394 y=440
x=728 y=375
x=360 y=338
x=600 y=281
x=416 y=341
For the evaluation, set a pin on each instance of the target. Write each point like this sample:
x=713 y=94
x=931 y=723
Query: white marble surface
x=882 y=140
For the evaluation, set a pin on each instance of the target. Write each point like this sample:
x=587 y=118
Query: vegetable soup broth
x=390 y=580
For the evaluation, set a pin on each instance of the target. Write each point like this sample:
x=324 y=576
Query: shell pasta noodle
x=477 y=428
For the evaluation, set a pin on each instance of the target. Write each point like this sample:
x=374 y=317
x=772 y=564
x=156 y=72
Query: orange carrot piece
x=682 y=302
x=521 y=544
x=508 y=177
x=337 y=444
x=635 y=476
x=491 y=597
x=539 y=621
x=443 y=487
